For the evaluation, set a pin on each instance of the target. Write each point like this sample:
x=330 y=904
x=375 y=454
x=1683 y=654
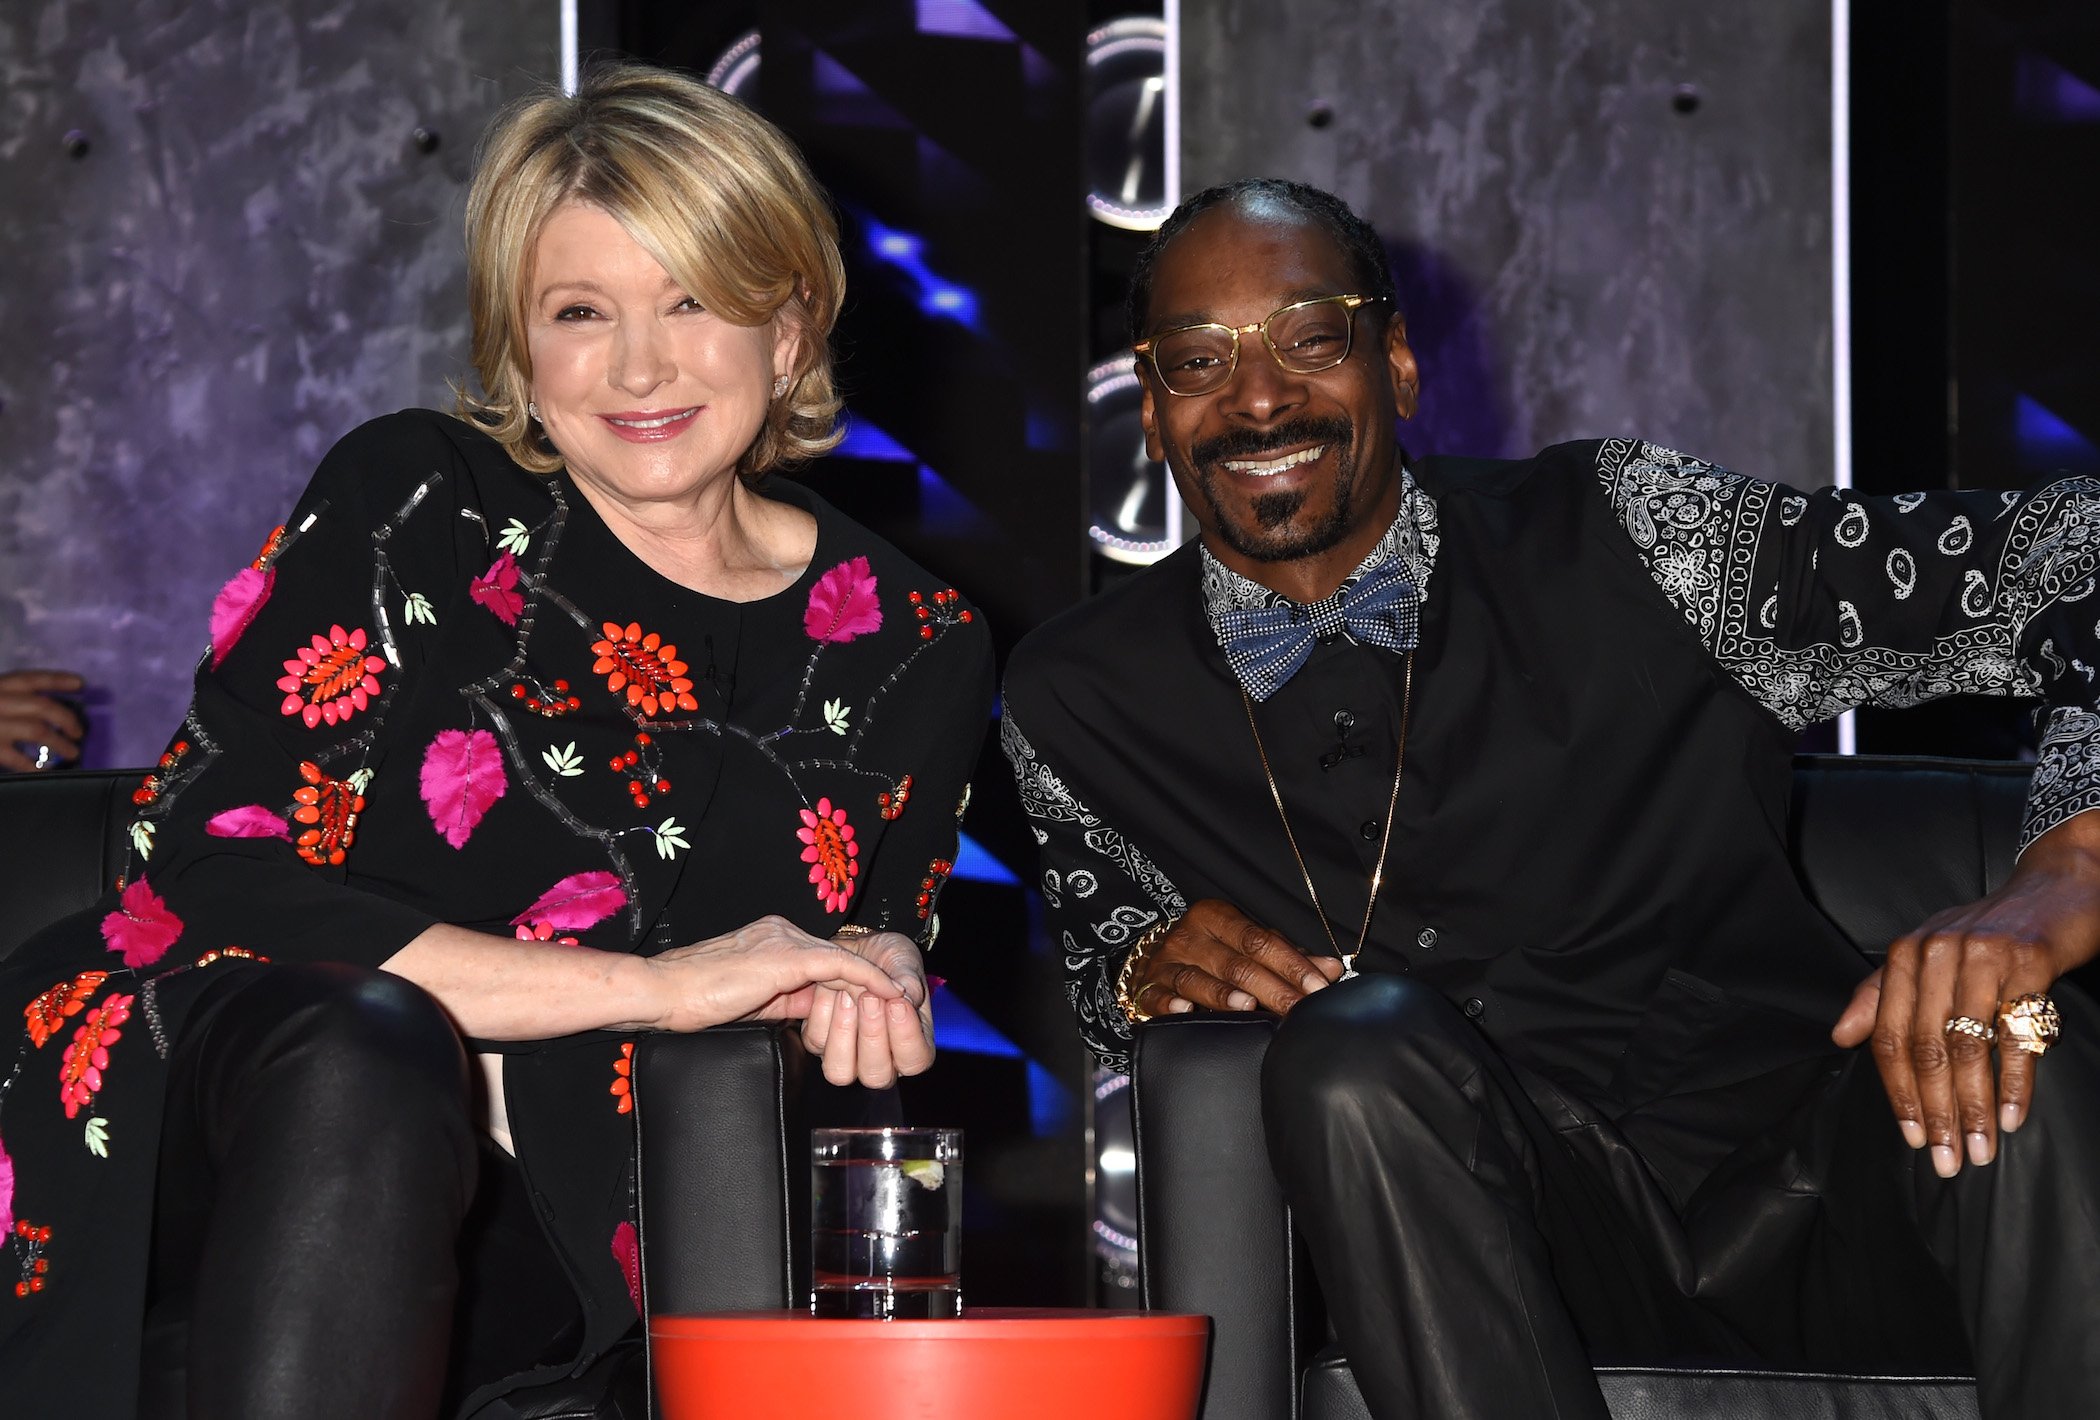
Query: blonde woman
x=533 y=727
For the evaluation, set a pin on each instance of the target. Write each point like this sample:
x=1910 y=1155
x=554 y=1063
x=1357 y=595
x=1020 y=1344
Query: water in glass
x=887 y=1207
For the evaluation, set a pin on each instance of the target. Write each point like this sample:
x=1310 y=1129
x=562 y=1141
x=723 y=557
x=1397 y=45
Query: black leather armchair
x=724 y=1179
x=1880 y=843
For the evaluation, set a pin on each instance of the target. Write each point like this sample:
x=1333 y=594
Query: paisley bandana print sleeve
x=1100 y=892
x=1820 y=602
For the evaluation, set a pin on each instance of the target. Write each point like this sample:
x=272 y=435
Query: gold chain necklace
x=1348 y=958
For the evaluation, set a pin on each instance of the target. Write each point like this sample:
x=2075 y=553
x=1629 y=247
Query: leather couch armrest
x=724 y=1177
x=1214 y=1235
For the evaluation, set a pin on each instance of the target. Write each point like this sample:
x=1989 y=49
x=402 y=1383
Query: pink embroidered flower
x=497 y=589
x=331 y=679
x=842 y=604
x=236 y=606
x=462 y=776
x=627 y=1251
x=544 y=932
x=142 y=928
x=830 y=852
x=578 y=901
x=248 y=821
x=7 y=1190
x=80 y=1073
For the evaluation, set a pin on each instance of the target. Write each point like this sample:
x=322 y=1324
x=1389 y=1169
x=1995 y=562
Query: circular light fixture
x=1126 y=123
x=736 y=70
x=1127 y=491
x=1115 y=1220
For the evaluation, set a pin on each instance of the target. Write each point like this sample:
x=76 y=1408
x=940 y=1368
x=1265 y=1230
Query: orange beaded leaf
x=645 y=667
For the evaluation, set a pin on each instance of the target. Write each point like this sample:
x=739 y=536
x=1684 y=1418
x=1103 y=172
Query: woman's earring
x=780 y=386
x=532 y=411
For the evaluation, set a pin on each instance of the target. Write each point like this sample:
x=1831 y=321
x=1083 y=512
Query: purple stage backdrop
x=229 y=233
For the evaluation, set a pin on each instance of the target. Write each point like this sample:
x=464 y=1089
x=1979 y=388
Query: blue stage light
x=906 y=251
x=958 y=1028
x=1052 y=1109
x=864 y=441
x=974 y=863
x=960 y=19
x=2047 y=440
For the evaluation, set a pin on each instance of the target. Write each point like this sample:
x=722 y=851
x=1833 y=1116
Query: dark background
x=229 y=232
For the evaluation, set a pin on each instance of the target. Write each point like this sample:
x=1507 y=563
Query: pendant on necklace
x=1349 y=967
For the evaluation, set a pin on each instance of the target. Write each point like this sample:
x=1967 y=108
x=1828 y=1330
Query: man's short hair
x=1356 y=237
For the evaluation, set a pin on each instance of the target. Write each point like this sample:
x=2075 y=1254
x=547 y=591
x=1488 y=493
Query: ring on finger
x=2030 y=1022
x=1972 y=1028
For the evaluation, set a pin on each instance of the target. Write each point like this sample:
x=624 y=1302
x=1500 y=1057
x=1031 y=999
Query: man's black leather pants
x=317 y=1156
x=1483 y=1238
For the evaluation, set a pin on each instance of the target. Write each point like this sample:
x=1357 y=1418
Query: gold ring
x=1972 y=1028
x=2030 y=1022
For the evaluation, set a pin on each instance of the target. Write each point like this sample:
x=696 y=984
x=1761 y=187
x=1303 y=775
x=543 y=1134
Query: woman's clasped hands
x=863 y=999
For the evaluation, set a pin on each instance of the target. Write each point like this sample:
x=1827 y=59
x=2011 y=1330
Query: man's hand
x=29 y=715
x=1215 y=957
x=1964 y=962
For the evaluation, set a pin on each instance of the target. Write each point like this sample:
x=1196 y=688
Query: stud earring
x=532 y=411
x=780 y=386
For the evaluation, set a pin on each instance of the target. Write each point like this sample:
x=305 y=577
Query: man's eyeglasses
x=1304 y=338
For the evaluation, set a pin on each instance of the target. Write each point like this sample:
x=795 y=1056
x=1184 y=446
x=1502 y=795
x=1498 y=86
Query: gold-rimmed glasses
x=1304 y=338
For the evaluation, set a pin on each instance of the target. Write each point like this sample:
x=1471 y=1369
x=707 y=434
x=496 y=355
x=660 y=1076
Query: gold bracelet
x=1143 y=948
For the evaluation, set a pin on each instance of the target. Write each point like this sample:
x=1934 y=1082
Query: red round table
x=988 y=1364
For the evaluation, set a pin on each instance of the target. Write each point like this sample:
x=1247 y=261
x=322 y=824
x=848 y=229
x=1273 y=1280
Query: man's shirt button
x=1476 y=1008
x=1370 y=829
x=1427 y=940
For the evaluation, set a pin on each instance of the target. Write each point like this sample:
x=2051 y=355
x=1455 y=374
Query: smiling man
x=1476 y=773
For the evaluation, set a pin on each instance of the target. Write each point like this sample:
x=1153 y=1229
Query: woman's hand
x=769 y=970
x=870 y=1040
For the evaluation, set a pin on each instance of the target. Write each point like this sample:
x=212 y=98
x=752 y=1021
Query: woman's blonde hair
x=715 y=193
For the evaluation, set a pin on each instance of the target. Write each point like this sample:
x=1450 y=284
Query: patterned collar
x=1412 y=538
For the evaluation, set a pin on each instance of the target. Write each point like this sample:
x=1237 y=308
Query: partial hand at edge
x=2043 y=922
x=28 y=715
x=1218 y=958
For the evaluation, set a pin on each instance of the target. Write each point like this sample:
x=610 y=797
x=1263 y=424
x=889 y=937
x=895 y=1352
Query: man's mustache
x=1254 y=444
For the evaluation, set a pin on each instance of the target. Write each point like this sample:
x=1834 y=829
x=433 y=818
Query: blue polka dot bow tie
x=1267 y=644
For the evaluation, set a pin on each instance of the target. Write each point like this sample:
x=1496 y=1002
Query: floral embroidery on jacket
x=623 y=1079
x=149 y=789
x=35 y=1265
x=627 y=1251
x=80 y=1073
x=645 y=667
x=945 y=610
x=330 y=679
x=842 y=604
x=329 y=809
x=578 y=901
x=930 y=886
x=51 y=1008
x=7 y=1190
x=497 y=589
x=242 y=598
x=462 y=777
x=643 y=767
x=143 y=927
x=830 y=852
x=891 y=802
x=248 y=821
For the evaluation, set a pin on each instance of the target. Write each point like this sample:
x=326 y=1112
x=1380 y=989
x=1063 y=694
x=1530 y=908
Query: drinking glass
x=887 y=1231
